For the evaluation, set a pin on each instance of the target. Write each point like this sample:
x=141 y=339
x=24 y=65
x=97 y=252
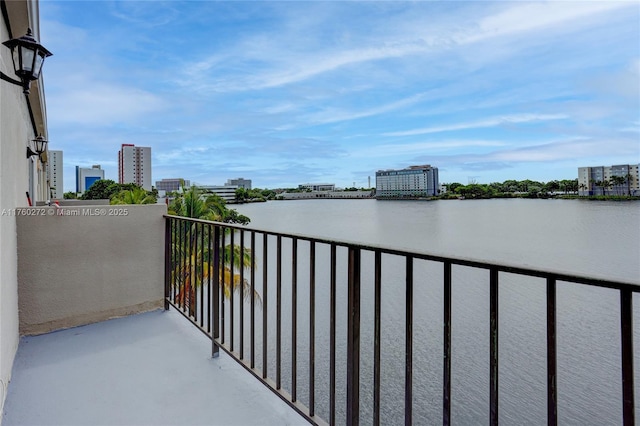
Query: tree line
x=510 y=188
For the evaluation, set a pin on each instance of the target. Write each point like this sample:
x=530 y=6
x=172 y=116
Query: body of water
x=597 y=239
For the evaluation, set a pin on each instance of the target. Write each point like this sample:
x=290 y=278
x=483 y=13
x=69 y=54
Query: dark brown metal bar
x=174 y=258
x=312 y=328
x=376 y=336
x=253 y=299
x=265 y=303
x=626 y=326
x=552 y=395
x=215 y=293
x=332 y=339
x=223 y=275
x=241 y=294
x=190 y=266
x=446 y=391
x=232 y=288
x=493 y=342
x=353 y=338
x=167 y=262
x=202 y=265
x=294 y=319
x=278 y=311
x=183 y=264
x=408 y=369
x=210 y=279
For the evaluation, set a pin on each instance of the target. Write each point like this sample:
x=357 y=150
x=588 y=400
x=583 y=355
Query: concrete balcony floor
x=148 y=369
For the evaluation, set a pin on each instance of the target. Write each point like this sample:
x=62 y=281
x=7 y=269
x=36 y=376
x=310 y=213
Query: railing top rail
x=549 y=274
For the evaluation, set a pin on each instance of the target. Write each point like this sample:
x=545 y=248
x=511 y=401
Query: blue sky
x=289 y=92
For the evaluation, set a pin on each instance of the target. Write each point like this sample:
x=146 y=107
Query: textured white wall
x=15 y=132
x=85 y=267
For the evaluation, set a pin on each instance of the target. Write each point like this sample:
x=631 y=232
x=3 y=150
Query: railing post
x=215 y=294
x=626 y=326
x=552 y=394
x=168 y=244
x=353 y=338
x=493 y=357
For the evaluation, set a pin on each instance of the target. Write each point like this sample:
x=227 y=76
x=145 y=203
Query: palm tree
x=134 y=196
x=194 y=269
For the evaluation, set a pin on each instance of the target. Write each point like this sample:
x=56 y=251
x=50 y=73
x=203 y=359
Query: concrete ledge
x=88 y=318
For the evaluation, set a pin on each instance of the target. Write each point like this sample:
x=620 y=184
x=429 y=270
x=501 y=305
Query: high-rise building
x=622 y=179
x=134 y=165
x=240 y=183
x=172 y=184
x=85 y=177
x=56 y=182
x=414 y=181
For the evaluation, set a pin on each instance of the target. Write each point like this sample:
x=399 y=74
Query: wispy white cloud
x=490 y=122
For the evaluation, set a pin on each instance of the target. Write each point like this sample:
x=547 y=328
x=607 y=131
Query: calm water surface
x=598 y=239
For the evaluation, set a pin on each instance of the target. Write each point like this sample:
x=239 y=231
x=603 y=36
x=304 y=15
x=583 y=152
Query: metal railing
x=204 y=285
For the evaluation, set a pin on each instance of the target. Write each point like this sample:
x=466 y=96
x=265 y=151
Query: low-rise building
x=173 y=184
x=226 y=192
x=318 y=186
x=239 y=183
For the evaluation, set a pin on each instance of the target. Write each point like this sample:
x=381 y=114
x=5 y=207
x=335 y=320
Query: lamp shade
x=41 y=144
x=28 y=57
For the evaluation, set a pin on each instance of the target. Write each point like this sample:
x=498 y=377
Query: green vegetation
x=197 y=270
x=254 y=195
x=108 y=189
x=134 y=196
x=567 y=188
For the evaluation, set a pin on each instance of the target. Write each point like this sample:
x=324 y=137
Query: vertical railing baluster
x=446 y=391
x=194 y=281
x=190 y=262
x=253 y=299
x=209 y=279
x=626 y=328
x=552 y=396
x=493 y=357
x=202 y=266
x=376 y=333
x=353 y=338
x=174 y=263
x=232 y=287
x=265 y=300
x=312 y=327
x=278 y=310
x=223 y=283
x=294 y=317
x=183 y=262
x=408 y=373
x=332 y=339
x=214 y=309
x=241 y=294
x=167 y=261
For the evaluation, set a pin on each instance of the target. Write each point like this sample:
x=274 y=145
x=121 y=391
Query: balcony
x=247 y=311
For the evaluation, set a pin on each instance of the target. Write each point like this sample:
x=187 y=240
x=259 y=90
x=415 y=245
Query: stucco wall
x=88 y=265
x=15 y=132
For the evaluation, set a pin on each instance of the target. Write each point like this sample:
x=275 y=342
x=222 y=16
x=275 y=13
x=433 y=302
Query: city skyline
x=285 y=93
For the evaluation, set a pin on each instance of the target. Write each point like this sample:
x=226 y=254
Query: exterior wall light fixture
x=28 y=57
x=41 y=147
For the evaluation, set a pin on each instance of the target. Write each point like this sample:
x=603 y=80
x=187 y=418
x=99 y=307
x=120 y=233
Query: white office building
x=56 y=183
x=172 y=185
x=412 y=182
x=226 y=192
x=239 y=183
x=318 y=186
x=134 y=165
x=85 y=177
